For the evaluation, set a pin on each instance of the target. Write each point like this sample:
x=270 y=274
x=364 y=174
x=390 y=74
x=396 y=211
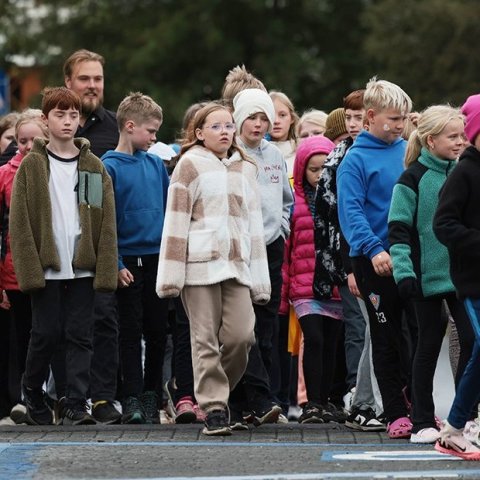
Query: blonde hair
x=139 y=108
x=198 y=121
x=80 y=56
x=292 y=131
x=238 y=79
x=31 y=115
x=381 y=94
x=315 y=117
x=431 y=122
x=410 y=126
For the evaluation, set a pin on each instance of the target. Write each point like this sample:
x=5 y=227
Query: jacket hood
x=124 y=157
x=306 y=149
x=366 y=139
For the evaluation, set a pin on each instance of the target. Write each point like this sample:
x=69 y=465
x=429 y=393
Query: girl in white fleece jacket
x=213 y=254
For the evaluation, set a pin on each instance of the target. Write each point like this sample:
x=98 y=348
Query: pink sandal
x=400 y=428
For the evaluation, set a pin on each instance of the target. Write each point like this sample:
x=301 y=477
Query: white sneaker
x=471 y=430
x=18 y=413
x=452 y=442
x=6 y=421
x=282 y=418
x=425 y=435
x=294 y=412
x=348 y=398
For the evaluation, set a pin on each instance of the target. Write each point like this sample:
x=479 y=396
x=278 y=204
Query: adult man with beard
x=83 y=72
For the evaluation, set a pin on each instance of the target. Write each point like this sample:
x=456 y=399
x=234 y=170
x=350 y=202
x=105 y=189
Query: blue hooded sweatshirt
x=140 y=183
x=365 y=182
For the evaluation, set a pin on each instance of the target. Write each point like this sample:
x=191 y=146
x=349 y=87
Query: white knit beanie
x=249 y=102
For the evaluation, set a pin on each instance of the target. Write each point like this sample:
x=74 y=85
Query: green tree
x=429 y=47
x=180 y=51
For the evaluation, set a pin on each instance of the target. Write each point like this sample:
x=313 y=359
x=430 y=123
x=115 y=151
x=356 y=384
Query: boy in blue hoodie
x=140 y=183
x=365 y=182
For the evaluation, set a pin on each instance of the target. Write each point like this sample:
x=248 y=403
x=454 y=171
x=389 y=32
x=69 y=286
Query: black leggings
x=431 y=330
x=320 y=335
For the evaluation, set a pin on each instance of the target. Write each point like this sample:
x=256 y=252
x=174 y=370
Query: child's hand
x=125 y=278
x=352 y=286
x=5 y=304
x=382 y=264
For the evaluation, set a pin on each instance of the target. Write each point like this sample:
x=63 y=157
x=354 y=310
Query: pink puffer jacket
x=299 y=260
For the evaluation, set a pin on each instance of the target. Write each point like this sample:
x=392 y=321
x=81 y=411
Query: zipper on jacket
x=86 y=191
x=139 y=262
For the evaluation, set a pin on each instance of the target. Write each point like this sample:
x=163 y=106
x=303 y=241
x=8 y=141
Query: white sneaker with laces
x=425 y=435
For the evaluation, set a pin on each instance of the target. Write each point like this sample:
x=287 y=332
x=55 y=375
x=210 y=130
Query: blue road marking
x=16 y=462
x=386 y=456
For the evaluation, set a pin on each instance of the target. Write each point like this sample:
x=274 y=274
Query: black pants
x=182 y=349
x=63 y=306
x=21 y=324
x=320 y=335
x=253 y=392
x=431 y=330
x=281 y=365
x=390 y=346
x=266 y=316
x=141 y=312
x=5 y=401
x=104 y=369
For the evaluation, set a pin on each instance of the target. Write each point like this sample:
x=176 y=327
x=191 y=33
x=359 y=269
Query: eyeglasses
x=218 y=127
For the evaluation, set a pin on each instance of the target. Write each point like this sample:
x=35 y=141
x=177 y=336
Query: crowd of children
x=310 y=262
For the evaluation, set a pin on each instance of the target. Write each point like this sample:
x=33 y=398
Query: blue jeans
x=468 y=390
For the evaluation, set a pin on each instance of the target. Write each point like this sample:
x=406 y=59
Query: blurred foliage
x=316 y=51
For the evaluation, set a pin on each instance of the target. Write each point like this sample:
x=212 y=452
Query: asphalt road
x=290 y=452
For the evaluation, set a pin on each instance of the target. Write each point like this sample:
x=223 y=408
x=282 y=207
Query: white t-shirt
x=62 y=186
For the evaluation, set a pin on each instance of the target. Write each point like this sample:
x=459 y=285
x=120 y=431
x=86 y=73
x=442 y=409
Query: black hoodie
x=457 y=223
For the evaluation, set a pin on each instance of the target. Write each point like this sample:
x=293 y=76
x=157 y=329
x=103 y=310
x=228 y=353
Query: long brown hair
x=198 y=121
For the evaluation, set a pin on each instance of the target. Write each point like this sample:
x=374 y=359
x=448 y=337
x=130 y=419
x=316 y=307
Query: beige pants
x=221 y=332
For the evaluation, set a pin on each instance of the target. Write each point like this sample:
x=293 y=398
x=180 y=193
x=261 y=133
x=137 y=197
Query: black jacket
x=101 y=130
x=457 y=223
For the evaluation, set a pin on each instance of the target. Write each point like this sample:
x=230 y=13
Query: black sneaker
x=311 y=413
x=37 y=410
x=269 y=415
x=75 y=414
x=104 y=412
x=364 y=420
x=237 y=422
x=332 y=413
x=149 y=401
x=216 y=423
x=132 y=411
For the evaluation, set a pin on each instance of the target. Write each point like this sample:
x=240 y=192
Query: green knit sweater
x=415 y=250
x=31 y=233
